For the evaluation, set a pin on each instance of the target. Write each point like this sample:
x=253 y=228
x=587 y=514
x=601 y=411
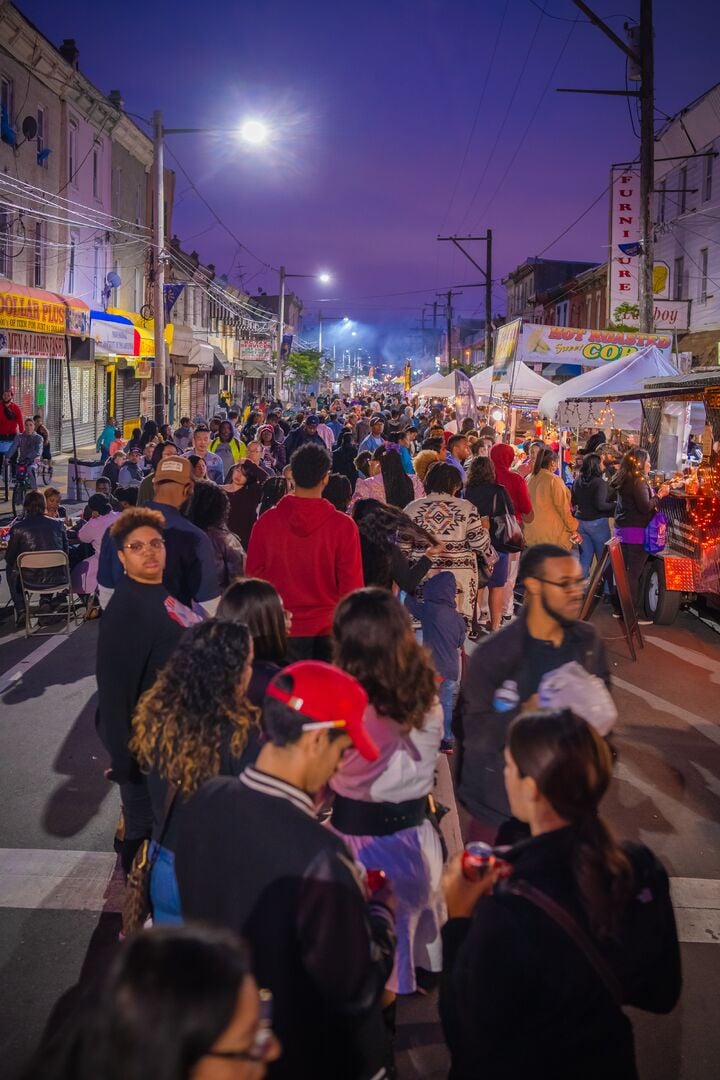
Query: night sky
x=391 y=126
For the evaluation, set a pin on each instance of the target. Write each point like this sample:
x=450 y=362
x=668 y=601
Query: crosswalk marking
x=53 y=880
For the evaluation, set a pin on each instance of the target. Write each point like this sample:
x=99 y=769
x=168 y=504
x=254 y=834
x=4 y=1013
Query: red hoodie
x=310 y=552
x=502 y=456
x=10 y=426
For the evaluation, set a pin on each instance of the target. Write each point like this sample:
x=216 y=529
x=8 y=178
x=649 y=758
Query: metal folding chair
x=45 y=560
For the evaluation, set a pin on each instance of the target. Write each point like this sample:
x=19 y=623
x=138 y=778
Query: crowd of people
x=299 y=617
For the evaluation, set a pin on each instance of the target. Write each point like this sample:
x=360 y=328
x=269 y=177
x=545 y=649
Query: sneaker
x=617 y=615
x=646 y=622
x=447 y=746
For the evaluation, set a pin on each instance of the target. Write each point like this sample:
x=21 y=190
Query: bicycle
x=45 y=471
x=25 y=481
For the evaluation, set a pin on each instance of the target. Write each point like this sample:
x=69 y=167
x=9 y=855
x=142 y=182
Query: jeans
x=164 y=892
x=446 y=692
x=635 y=557
x=594 y=534
x=137 y=812
x=104 y=454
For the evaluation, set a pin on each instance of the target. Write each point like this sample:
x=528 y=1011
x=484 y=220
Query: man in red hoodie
x=310 y=552
x=12 y=423
x=502 y=456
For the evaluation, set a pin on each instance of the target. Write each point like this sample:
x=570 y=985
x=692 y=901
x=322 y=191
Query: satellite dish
x=113 y=280
x=29 y=127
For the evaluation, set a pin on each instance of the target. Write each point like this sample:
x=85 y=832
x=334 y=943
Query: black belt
x=356 y=818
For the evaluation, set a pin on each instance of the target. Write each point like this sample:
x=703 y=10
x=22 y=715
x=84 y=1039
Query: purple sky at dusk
x=373 y=105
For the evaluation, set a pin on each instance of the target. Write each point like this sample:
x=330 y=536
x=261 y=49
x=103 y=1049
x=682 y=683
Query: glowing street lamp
x=254 y=132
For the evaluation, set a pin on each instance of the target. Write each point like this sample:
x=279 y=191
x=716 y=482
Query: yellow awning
x=145 y=331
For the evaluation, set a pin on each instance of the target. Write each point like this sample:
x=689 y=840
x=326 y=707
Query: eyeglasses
x=573 y=585
x=263 y=1036
x=136 y=546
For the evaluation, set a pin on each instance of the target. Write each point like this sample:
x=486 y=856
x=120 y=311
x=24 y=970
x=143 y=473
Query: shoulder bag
x=562 y=918
x=136 y=903
x=505 y=531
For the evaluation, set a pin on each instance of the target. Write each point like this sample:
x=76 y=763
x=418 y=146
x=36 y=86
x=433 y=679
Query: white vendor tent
x=520 y=385
x=577 y=403
x=436 y=385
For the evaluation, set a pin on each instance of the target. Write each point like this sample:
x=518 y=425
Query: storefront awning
x=114 y=335
x=37 y=311
x=201 y=356
x=144 y=336
x=221 y=363
x=181 y=340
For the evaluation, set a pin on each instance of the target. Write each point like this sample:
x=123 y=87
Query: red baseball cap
x=329 y=698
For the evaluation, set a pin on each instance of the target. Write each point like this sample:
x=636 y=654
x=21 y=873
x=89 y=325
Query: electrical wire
x=504 y=120
x=486 y=82
x=575 y=222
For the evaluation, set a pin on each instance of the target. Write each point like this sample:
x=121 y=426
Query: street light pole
x=159 y=294
x=280 y=332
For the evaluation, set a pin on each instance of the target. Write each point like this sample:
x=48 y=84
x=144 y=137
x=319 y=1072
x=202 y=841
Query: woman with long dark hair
x=273 y=490
x=388 y=481
x=193 y=724
x=177 y=1003
x=635 y=509
x=243 y=485
x=149 y=433
x=257 y=604
x=536 y=969
x=344 y=457
x=380 y=806
x=593 y=505
x=382 y=530
x=490 y=498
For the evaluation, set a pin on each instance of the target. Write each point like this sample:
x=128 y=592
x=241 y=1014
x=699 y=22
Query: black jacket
x=480 y=729
x=343 y=462
x=636 y=504
x=297 y=438
x=519 y=998
x=137 y=637
x=592 y=499
x=251 y=856
x=35 y=532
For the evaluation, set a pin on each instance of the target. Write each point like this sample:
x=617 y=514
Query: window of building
x=138 y=204
x=704 y=274
x=7 y=97
x=73 y=162
x=71 y=265
x=661 y=201
x=137 y=289
x=96 y=172
x=98 y=275
x=683 y=190
x=41 y=136
x=6 y=219
x=707 y=182
x=39 y=256
x=679 y=279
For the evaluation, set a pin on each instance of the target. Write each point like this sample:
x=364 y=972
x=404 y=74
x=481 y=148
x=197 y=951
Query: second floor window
x=73 y=162
x=707 y=182
x=683 y=190
x=71 y=266
x=704 y=274
x=661 y=200
x=96 y=172
x=39 y=257
x=41 y=136
x=7 y=98
x=679 y=279
x=5 y=242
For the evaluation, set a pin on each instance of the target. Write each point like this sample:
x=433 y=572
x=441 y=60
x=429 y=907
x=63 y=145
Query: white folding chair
x=45 y=560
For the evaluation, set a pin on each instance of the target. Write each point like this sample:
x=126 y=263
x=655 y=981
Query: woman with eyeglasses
x=139 y=631
x=177 y=1003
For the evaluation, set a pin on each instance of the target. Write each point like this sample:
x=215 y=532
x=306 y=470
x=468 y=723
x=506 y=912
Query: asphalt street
x=59 y=890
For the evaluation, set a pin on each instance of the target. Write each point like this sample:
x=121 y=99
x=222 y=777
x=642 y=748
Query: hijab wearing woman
x=257 y=604
x=380 y=806
x=209 y=510
x=194 y=723
x=612 y=942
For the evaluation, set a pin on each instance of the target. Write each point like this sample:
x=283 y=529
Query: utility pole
x=448 y=325
x=159 y=294
x=643 y=59
x=486 y=271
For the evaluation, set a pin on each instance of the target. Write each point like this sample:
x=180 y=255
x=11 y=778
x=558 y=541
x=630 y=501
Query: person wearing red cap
x=502 y=456
x=251 y=855
x=310 y=552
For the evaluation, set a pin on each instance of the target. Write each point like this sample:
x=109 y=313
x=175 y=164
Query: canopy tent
x=577 y=403
x=521 y=385
x=436 y=385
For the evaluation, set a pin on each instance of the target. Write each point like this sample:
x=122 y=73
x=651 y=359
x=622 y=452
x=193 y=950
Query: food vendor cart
x=689 y=566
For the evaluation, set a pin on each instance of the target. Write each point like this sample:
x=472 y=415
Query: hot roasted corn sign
x=589 y=348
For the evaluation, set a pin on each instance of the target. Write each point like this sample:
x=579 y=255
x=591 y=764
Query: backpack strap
x=562 y=918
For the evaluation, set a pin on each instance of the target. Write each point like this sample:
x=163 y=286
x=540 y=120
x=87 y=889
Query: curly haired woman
x=195 y=723
x=380 y=806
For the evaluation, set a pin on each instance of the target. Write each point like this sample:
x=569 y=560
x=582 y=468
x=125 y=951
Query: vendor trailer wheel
x=661 y=604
